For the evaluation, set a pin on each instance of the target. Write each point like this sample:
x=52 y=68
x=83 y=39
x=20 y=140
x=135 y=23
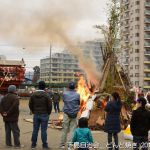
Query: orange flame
x=61 y=116
x=84 y=92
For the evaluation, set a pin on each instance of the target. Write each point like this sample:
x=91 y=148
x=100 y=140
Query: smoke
x=26 y=22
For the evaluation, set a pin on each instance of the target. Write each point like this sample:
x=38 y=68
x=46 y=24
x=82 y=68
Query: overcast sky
x=28 y=26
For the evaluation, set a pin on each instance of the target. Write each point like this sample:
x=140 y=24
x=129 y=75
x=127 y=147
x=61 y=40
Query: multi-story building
x=92 y=49
x=65 y=67
x=61 y=68
x=135 y=39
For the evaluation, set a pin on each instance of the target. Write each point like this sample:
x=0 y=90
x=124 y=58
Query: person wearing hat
x=9 y=108
x=41 y=106
x=71 y=107
x=140 y=125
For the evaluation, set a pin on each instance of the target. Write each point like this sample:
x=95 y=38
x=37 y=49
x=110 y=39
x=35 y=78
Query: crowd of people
x=40 y=105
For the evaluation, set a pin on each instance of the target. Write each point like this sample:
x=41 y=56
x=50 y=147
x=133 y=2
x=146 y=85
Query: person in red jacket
x=9 y=107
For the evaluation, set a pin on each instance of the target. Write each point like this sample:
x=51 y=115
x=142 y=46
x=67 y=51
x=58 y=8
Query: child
x=82 y=135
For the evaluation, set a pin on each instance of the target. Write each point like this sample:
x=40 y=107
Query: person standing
x=41 y=106
x=71 y=107
x=140 y=125
x=112 y=122
x=148 y=102
x=9 y=108
x=56 y=100
x=82 y=135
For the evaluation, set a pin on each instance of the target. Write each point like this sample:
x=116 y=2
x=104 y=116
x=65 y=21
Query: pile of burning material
x=92 y=106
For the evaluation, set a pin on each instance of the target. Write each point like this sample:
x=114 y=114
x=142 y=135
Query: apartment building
x=92 y=49
x=135 y=41
x=63 y=67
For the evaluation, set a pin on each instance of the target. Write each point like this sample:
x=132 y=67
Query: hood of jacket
x=39 y=93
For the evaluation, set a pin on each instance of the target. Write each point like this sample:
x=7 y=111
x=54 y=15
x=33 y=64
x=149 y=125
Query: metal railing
x=147 y=28
x=147 y=20
x=146 y=44
x=147 y=4
x=147 y=12
x=146 y=36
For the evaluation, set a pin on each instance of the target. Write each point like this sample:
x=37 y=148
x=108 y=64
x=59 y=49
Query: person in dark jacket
x=9 y=107
x=112 y=122
x=71 y=107
x=41 y=106
x=56 y=100
x=140 y=125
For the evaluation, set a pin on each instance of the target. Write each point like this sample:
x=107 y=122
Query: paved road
x=53 y=134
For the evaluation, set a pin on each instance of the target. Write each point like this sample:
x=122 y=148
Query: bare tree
x=111 y=30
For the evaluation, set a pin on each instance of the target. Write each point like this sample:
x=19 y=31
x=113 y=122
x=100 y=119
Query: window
x=131 y=28
x=131 y=75
x=137 y=11
x=136 y=50
x=131 y=59
x=136 y=66
x=137 y=83
x=131 y=67
x=121 y=23
x=136 y=34
x=137 y=2
x=137 y=18
x=136 y=58
x=136 y=74
x=127 y=22
x=137 y=42
x=137 y=27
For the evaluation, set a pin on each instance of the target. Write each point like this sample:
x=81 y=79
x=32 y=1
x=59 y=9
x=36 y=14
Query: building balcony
x=147 y=20
x=147 y=29
x=146 y=62
x=146 y=70
x=147 y=4
x=126 y=26
x=147 y=53
x=147 y=87
x=146 y=44
x=146 y=36
x=126 y=1
x=126 y=63
x=147 y=12
x=146 y=78
x=126 y=18
x=127 y=55
x=126 y=41
x=126 y=32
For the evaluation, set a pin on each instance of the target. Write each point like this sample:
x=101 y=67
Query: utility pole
x=50 y=56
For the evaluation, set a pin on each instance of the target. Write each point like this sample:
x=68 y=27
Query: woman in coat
x=112 y=122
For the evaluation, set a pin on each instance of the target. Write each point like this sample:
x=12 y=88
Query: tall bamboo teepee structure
x=113 y=75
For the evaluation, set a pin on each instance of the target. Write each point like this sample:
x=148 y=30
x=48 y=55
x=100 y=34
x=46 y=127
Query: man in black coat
x=140 y=125
x=41 y=106
x=9 y=107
